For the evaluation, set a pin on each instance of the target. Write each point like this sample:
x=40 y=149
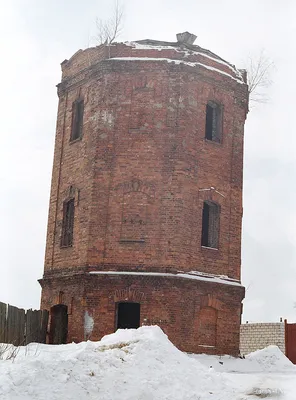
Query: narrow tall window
x=213 y=122
x=68 y=223
x=210 y=225
x=77 y=119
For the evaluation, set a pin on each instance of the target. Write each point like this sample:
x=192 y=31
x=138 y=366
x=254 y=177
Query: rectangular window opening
x=210 y=225
x=213 y=122
x=68 y=223
x=77 y=119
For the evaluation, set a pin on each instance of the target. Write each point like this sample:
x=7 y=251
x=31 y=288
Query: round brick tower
x=145 y=210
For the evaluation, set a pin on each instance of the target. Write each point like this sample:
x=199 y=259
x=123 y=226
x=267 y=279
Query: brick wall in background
x=260 y=335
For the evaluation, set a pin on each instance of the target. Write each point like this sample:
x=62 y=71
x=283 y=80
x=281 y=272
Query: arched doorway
x=59 y=324
x=128 y=315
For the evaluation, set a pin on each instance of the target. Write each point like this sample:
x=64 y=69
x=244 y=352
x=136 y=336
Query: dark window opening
x=128 y=315
x=77 y=119
x=210 y=225
x=213 y=122
x=68 y=223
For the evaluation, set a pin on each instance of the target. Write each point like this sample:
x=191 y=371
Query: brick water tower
x=145 y=211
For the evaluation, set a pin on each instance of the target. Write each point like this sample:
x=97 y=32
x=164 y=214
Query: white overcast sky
x=37 y=35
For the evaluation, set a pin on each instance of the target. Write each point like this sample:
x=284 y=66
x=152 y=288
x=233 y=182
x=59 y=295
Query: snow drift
x=271 y=359
x=130 y=364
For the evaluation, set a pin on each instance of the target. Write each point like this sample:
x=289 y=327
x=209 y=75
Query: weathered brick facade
x=139 y=176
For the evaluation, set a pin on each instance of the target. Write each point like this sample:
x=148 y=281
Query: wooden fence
x=20 y=327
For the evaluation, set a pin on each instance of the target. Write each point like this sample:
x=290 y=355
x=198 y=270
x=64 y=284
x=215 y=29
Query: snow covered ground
x=142 y=364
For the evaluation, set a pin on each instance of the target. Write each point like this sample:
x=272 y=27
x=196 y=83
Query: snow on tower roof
x=188 y=53
x=151 y=43
x=183 y=51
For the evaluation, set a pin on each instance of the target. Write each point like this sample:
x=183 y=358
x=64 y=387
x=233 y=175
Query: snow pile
x=137 y=364
x=265 y=373
x=141 y=364
x=271 y=359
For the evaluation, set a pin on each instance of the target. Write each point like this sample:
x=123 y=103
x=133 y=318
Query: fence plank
x=28 y=326
x=44 y=322
x=3 y=309
x=21 y=328
x=15 y=325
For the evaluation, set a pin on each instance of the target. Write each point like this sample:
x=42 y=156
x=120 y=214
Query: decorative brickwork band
x=128 y=294
x=136 y=185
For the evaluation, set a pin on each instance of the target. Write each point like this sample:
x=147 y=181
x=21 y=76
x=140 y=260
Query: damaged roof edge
x=192 y=47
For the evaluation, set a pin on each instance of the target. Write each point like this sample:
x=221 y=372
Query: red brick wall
x=181 y=307
x=143 y=160
x=144 y=122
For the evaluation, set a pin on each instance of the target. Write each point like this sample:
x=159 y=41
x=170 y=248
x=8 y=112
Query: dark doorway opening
x=128 y=315
x=59 y=324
